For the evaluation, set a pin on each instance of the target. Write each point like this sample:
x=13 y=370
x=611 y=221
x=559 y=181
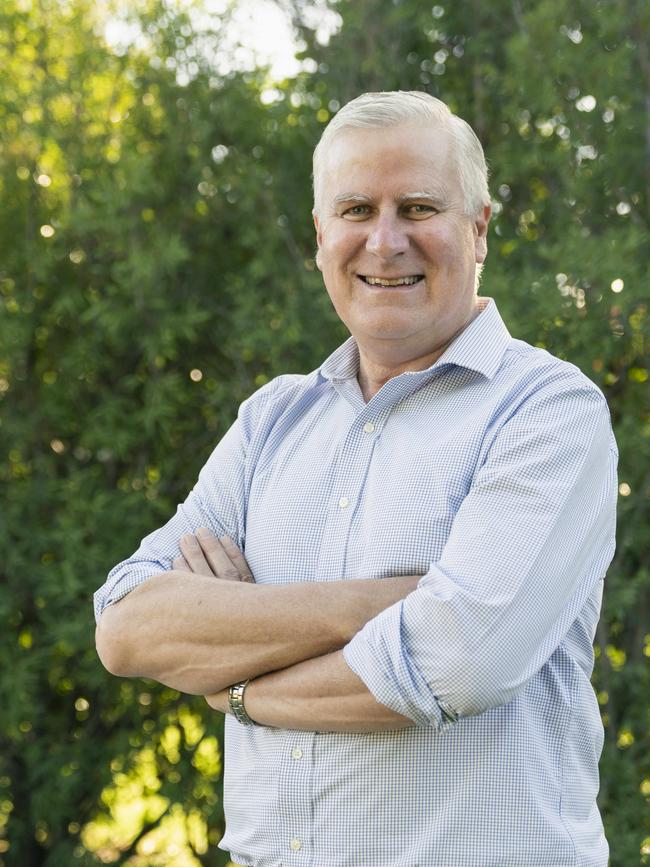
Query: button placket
x=347 y=488
x=295 y=788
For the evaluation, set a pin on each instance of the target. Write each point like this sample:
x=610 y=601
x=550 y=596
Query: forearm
x=199 y=634
x=321 y=694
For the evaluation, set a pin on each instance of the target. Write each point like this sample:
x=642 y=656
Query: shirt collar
x=480 y=347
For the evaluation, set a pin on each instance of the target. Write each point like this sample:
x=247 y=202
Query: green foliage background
x=156 y=266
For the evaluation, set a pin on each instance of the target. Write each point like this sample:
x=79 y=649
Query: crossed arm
x=206 y=625
x=528 y=546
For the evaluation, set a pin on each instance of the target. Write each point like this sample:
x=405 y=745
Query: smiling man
x=397 y=244
x=389 y=572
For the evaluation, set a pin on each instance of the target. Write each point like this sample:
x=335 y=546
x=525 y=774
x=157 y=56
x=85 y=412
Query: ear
x=481 y=222
x=319 y=239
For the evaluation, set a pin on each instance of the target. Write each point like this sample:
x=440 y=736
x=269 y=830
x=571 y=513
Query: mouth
x=403 y=282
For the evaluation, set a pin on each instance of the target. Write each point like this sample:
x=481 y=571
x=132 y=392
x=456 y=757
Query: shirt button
x=296 y=844
x=344 y=502
x=296 y=753
x=368 y=427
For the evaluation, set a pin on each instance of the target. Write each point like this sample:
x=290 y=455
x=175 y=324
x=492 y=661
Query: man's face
x=392 y=210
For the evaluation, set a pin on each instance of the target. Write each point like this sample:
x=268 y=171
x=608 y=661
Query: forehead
x=390 y=161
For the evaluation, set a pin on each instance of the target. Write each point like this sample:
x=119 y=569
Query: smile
x=396 y=281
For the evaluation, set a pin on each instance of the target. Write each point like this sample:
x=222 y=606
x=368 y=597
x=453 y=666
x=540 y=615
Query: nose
x=387 y=237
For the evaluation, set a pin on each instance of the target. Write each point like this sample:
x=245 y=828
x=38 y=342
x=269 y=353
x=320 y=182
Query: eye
x=420 y=210
x=356 y=211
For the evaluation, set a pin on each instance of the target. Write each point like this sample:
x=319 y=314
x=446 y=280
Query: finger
x=181 y=564
x=237 y=559
x=220 y=563
x=193 y=553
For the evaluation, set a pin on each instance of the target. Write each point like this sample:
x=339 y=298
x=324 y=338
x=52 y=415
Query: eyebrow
x=350 y=197
x=440 y=197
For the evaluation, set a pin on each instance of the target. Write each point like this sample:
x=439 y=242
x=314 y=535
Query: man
x=428 y=517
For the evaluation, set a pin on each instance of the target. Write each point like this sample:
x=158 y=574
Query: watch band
x=236 y=702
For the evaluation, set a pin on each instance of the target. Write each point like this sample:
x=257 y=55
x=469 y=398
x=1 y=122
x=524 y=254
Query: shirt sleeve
x=217 y=501
x=528 y=547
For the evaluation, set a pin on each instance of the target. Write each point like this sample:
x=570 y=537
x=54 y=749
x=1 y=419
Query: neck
x=374 y=373
x=377 y=366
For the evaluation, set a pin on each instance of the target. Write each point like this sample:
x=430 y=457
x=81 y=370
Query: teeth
x=400 y=281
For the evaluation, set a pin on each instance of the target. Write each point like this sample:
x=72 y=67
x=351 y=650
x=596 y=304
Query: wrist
x=219 y=701
x=236 y=703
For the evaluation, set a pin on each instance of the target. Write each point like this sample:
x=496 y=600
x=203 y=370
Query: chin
x=388 y=330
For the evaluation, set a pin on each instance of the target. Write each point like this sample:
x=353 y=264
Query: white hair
x=395 y=107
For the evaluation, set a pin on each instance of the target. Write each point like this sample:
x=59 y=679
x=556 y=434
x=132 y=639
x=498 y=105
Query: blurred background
x=156 y=267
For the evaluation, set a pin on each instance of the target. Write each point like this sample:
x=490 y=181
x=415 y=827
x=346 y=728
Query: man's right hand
x=204 y=554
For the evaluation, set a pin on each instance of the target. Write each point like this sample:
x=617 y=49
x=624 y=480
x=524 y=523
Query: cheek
x=451 y=240
x=339 y=245
x=455 y=253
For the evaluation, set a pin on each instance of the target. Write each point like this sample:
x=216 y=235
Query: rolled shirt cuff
x=377 y=656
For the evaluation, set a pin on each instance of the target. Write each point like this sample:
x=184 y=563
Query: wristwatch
x=236 y=702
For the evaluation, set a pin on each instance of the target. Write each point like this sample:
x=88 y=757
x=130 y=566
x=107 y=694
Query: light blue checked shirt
x=492 y=474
